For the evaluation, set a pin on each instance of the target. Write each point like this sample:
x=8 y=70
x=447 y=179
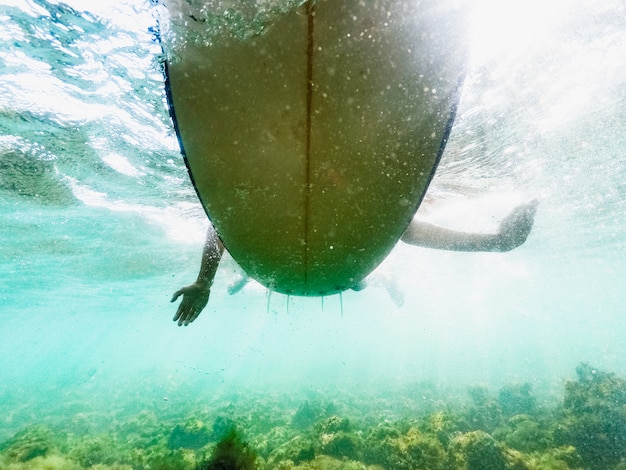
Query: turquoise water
x=99 y=224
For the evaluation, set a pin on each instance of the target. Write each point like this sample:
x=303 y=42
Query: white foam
x=121 y=165
x=182 y=222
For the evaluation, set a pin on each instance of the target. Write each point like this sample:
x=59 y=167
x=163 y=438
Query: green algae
x=525 y=434
x=33 y=442
x=517 y=399
x=476 y=450
x=593 y=418
x=192 y=434
x=231 y=453
x=506 y=430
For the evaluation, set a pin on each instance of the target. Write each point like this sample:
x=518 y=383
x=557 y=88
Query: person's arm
x=196 y=295
x=513 y=231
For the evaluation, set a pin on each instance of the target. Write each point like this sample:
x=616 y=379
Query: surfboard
x=311 y=142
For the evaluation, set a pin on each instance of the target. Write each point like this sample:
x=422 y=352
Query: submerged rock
x=476 y=450
x=408 y=451
x=296 y=450
x=324 y=462
x=93 y=450
x=193 y=434
x=525 y=434
x=445 y=426
x=221 y=426
x=56 y=462
x=593 y=418
x=37 y=441
x=517 y=400
x=231 y=453
x=308 y=413
x=341 y=445
x=485 y=414
x=332 y=425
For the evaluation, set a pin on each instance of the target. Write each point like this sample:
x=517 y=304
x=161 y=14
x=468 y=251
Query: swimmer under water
x=512 y=232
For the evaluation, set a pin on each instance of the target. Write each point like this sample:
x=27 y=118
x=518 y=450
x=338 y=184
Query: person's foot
x=237 y=284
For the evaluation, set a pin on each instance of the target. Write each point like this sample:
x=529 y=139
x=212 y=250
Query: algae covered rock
x=517 y=399
x=525 y=434
x=341 y=445
x=485 y=413
x=407 y=451
x=375 y=447
x=593 y=418
x=231 y=453
x=274 y=442
x=332 y=424
x=558 y=458
x=309 y=412
x=324 y=462
x=160 y=457
x=476 y=450
x=335 y=438
x=296 y=450
x=445 y=426
x=193 y=434
x=36 y=441
x=95 y=450
x=52 y=462
x=144 y=429
x=221 y=426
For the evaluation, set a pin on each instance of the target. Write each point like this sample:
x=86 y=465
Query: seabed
x=419 y=427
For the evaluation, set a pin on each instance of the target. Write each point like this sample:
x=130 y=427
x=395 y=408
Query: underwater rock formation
x=445 y=426
x=221 y=426
x=593 y=418
x=586 y=431
x=485 y=414
x=476 y=450
x=231 y=453
x=332 y=425
x=525 y=434
x=309 y=412
x=324 y=462
x=342 y=445
x=297 y=449
x=405 y=451
x=517 y=400
x=193 y=434
x=37 y=441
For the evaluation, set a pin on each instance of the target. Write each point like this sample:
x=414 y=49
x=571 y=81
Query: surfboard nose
x=312 y=141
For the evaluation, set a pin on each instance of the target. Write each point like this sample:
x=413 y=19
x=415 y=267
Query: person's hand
x=515 y=227
x=195 y=298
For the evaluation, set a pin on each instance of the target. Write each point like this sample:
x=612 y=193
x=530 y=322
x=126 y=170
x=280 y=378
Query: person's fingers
x=176 y=295
x=530 y=209
x=191 y=306
x=189 y=317
x=195 y=315
x=529 y=214
x=183 y=313
x=522 y=216
x=183 y=319
x=179 y=313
